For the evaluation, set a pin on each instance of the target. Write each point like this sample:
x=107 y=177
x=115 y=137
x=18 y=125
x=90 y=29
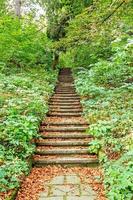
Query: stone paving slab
x=72 y=179
x=51 y=198
x=58 y=180
x=86 y=190
x=59 y=190
x=81 y=198
x=67 y=187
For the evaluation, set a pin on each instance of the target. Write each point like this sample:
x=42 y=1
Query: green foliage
x=26 y=83
x=119 y=178
x=105 y=85
x=89 y=38
x=10 y=174
x=22 y=44
x=24 y=95
x=59 y=13
x=108 y=109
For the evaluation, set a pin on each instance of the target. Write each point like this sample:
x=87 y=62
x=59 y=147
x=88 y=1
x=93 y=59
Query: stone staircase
x=63 y=139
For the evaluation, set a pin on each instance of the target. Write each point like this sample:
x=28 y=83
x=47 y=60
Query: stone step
x=63 y=129
x=65 y=106
x=65 y=123
x=65 y=86
x=71 y=90
x=65 y=80
x=65 y=100
x=61 y=107
x=66 y=160
x=64 y=114
x=65 y=95
x=75 y=135
x=65 y=76
x=61 y=87
x=65 y=111
x=68 y=84
x=65 y=92
x=62 y=143
x=65 y=103
x=61 y=151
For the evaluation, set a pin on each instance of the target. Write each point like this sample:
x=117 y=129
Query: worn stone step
x=65 y=86
x=71 y=90
x=75 y=135
x=65 y=100
x=64 y=92
x=61 y=107
x=61 y=151
x=66 y=76
x=64 y=114
x=66 y=89
x=65 y=95
x=69 y=80
x=64 y=123
x=62 y=143
x=65 y=106
x=66 y=160
x=61 y=86
x=77 y=103
x=65 y=111
x=65 y=103
x=63 y=129
x=58 y=109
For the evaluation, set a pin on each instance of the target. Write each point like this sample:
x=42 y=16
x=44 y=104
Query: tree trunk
x=18 y=8
x=56 y=60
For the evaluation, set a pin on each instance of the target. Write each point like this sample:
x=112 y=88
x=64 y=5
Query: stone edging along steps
x=63 y=139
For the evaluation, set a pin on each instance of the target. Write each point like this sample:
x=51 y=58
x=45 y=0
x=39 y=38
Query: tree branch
x=106 y=18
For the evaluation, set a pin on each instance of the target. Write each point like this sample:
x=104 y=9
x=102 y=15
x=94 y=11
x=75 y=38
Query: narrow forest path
x=63 y=166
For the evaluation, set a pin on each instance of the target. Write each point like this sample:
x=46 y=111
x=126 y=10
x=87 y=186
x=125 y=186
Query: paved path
x=67 y=187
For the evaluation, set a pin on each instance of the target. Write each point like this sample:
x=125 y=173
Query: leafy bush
x=119 y=178
x=24 y=96
x=106 y=90
x=22 y=44
x=10 y=174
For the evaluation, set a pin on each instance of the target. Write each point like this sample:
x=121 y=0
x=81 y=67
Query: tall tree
x=18 y=8
x=59 y=13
